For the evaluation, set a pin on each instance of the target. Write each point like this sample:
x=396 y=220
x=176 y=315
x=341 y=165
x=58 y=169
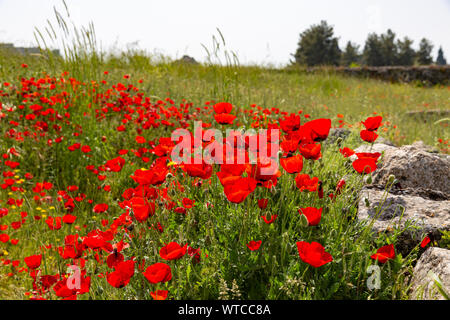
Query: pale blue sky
x=258 y=31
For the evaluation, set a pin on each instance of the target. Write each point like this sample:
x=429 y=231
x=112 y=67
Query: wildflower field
x=93 y=204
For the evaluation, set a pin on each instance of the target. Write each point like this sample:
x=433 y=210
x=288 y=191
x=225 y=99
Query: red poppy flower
x=317 y=130
x=289 y=145
x=86 y=149
x=16 y=225
x=180 y=210
x=312 y=214
x=271 y=220
x=69 y=205
x=310 y=150
x=119 y=246
x=384 y=254
x=74 y=147
x=172 y=251
x=4 y=237
x=290 y=123
x=201 y=170
x=159 y=294
x=373 y=155
x=226 y=178
x=265 y=172
x=239 y=189
x=154 y=176
x=195 y=254
x=305 y=182
x=61 y=290
x=224 y=118
x=100 y=208
x=72 y=249
x=115 y=165
x=188 y=203
x=292 y=164
x=97 y=241
x=142 y=208
x=33 y=262
x=122 y=274
x=223 y=107
x=368 y=136
x=313 y=253
x=372 y=123
x=425 y=242
x=69 y=219
x=340 y=186
x=158 y=272
x=54 y=223
x=145 y=177
x=164 y=147
x=72 y=188
x=233 y=169
x=365 y=165
x=140 y=139
x=114 y=259
x=3 y=212
x=48 y=280
x=47 y=185
x=254 y=245
x=347 y=152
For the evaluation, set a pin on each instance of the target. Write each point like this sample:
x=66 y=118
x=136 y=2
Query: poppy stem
x=304 y=272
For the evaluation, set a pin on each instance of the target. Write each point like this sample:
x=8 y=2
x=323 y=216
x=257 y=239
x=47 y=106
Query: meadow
x=87 y=180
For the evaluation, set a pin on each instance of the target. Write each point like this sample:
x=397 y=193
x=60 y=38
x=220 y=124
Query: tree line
x=319 y=46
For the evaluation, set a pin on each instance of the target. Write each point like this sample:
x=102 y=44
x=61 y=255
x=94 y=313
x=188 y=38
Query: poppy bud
x=367 y=202
x=369 y=179
x=320 y=191
x=273 y=189
x=391 y=179
x=339 y=141
x=303 y=221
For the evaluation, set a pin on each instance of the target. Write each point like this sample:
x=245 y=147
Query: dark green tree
x=440 y=60
x=424 y=53
x=406 y=53
x=318 y=46
x=388 y=48
x=372 y=53
x=350 y=55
